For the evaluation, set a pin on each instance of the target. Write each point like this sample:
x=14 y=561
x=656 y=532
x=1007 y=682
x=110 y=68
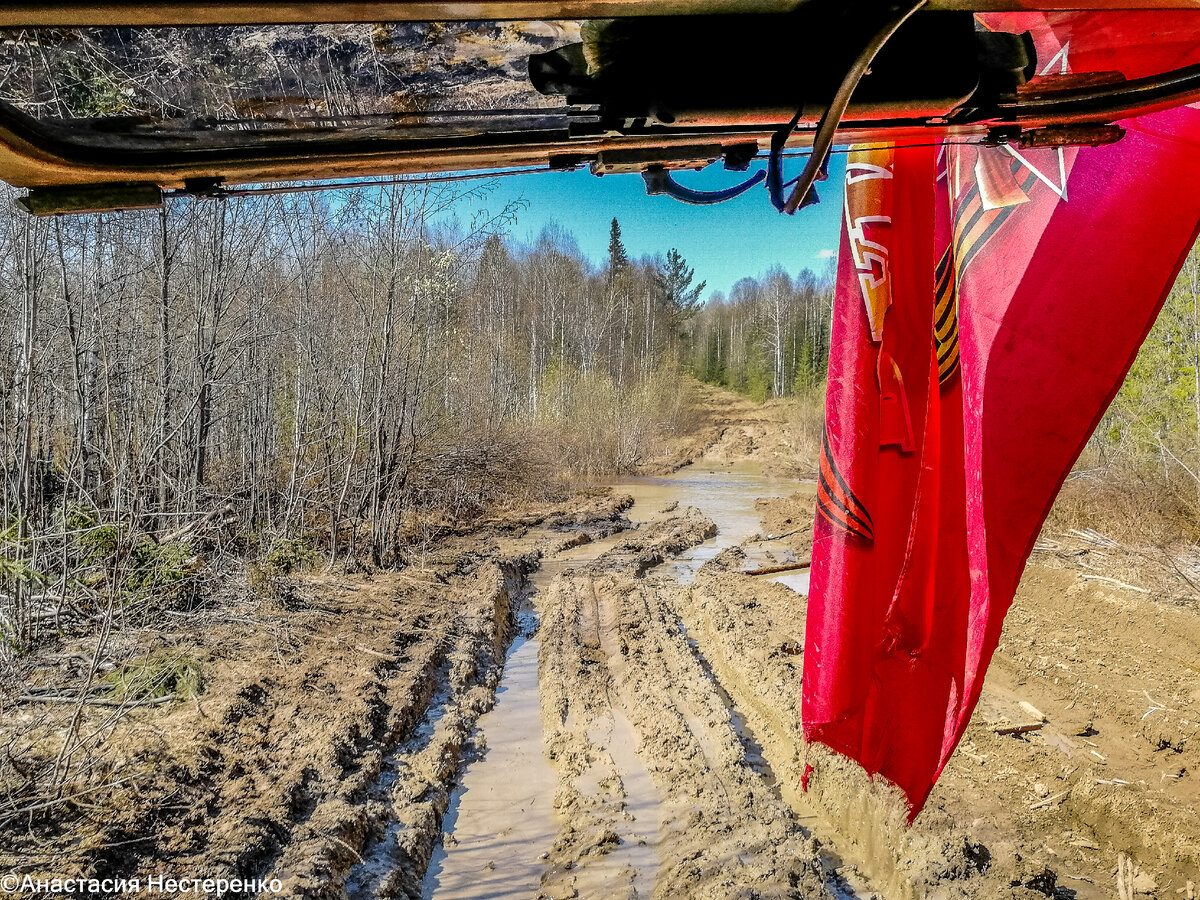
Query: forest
x=346 y=373
x=340 y=374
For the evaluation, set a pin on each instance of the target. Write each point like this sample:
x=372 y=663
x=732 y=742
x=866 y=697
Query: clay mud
x=593 y=698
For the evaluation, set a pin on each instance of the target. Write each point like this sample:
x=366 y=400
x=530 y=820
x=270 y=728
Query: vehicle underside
x=108 y=106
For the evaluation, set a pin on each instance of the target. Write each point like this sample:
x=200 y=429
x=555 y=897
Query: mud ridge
x=618 y=676
x=385 y=843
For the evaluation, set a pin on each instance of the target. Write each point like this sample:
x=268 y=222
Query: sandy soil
x=1111 y=665
x=341 y=710
x=1047 y=813
x=323 y=746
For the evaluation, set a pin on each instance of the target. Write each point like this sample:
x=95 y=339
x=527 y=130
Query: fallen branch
x=1113 y=581
x=1095 y=538
x=1021 y=729
x=90 y=701
x=9 y=815
x=780 y=537
x=1033 y=712
x=223 y=516
x=359 y=647
x=771 y=570
x=1050 y=800
x=338 y=840
x=1125 y=876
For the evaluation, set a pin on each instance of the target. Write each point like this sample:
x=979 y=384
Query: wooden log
x=771 y=570
x=223 y=515
x=1021 y=729
x=1033 y=712
x=1049 y=800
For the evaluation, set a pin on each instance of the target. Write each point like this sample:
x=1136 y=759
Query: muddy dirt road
x=689 y=673
x=591 y=699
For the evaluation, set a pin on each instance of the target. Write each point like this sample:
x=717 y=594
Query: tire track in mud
x=616 y=670
x=274 y=813
x=363 y=810
x=1040 y=816
x=378 y=819
x=753 y=648
x=656 y=795
x=407 y=799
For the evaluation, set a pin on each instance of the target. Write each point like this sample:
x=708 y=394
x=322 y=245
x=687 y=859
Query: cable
x=659 y=181
x=876 y=145
x=828 y=124
x=220 y=192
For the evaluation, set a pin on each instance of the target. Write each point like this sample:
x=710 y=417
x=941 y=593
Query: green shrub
x=256 y=579
x=287 y=555
x=100 y=542
x=155 y=566
x=161 y=673
x=78 y=517
x=13 y=549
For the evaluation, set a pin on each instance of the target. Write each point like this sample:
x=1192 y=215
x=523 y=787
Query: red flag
x=989 y=304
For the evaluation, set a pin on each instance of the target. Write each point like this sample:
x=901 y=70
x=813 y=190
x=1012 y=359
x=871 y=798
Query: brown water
x=726 y=495
x=498 y=826
x=501 y=819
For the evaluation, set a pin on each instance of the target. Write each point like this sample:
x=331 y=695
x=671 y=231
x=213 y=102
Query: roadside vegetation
x=1136 y=487
x=205 y=403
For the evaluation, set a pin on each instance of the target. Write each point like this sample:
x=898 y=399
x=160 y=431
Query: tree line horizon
x=349 y=371
x=357 y=375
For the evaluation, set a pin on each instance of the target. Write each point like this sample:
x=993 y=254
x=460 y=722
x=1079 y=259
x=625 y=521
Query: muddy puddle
x=726 y=495
x=500 y=823
x=500 y=818
x=636 y=856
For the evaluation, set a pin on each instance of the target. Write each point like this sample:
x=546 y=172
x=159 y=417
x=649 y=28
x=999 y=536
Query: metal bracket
x=87 y=198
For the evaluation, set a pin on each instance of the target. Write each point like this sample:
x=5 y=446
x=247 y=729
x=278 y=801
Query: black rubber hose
x=659 y=181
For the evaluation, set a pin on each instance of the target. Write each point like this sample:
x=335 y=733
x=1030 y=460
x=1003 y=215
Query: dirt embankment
x=326 y=737
x=1043 y=814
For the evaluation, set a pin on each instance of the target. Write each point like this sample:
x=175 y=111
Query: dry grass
x=1141 y=504
x=805 y=422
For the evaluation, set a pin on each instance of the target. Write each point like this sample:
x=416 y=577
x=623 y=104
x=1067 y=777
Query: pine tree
x=674 y=282
x=618 y=259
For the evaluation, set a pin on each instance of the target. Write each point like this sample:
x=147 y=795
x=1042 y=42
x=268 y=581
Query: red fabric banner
x=989 y=303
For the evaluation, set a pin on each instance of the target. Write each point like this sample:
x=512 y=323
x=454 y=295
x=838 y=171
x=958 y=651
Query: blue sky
x=744 y=236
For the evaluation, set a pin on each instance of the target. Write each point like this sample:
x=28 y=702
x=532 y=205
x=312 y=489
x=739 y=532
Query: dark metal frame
x=42 y=155
x=230 y=12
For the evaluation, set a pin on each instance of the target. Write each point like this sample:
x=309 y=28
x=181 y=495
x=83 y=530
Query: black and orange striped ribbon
x=974 y=226
x=836 y=502
x=945 y=319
